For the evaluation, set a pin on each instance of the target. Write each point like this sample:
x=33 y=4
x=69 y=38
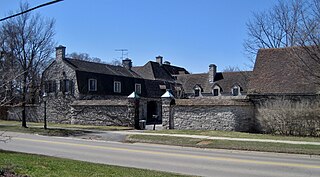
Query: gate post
x=133 y=110
x=167 y=117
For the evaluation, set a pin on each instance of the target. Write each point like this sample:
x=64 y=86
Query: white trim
x=95 y=85
x=135 y=88
x=117 y=89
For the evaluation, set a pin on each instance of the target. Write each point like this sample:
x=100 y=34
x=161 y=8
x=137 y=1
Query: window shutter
x=62 y=86
x=46 y=86
x=71 y=86
x=54 y=86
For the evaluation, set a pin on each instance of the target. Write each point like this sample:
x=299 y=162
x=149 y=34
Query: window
x=138 y=88
x=66 y=85
x=236 y=90
x=117 y=87
x=50 y=86
x=92 y=85
x=196 y=92
x=215 y=92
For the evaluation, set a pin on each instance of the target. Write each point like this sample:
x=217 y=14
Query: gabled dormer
x=236 y=89
x=197 y=90
x=216 y=90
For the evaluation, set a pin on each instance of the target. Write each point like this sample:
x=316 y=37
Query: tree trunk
x=24 y=99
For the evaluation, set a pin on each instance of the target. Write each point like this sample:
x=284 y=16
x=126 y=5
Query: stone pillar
x=133 y=110
x=167 y=117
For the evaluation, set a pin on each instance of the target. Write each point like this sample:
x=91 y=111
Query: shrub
x=288 y=117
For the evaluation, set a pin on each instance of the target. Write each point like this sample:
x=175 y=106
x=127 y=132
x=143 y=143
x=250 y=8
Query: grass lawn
x=225 y=144
x=231 y=134
x=37 y=165
x=54 y=125
x=42 y=131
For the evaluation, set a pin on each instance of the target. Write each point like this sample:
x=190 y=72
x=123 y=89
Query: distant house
x=215 y=83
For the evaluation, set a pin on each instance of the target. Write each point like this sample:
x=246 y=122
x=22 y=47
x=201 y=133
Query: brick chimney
x=159 y=59
x=60 y=52
x=127 y=63
x=212 y=72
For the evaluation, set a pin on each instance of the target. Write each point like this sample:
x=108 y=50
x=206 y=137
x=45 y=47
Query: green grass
x=225 y=144
x=42 y=131
x=231 y=134
x=37 y=165
x=54 y=125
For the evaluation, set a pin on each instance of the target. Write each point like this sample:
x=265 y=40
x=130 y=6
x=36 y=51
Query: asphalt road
x=193 y=161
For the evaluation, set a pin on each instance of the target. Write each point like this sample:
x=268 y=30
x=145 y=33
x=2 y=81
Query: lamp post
x=44 y=97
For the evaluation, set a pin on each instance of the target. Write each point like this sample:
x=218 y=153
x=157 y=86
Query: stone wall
x=100 y=112
x=213 y=114
x=34 y=113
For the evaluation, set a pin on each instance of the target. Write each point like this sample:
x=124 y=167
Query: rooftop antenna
x=123 y=52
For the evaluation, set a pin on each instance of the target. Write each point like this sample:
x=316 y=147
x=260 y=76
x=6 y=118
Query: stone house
x=88 y=92
x=83 y=92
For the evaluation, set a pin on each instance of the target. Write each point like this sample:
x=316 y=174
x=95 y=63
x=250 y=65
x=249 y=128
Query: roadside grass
x=227 y=144
x=55 y=125
x=39 y=166
x=42 y=131
x=231 y=134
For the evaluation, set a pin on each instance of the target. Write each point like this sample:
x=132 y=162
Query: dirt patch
x=7 y=172
x=204 y=143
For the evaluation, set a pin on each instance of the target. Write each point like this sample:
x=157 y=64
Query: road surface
x=192 y=161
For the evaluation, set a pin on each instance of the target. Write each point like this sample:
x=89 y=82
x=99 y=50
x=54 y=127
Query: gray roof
x=226 y=80
x=101 y=68
x=153 y=71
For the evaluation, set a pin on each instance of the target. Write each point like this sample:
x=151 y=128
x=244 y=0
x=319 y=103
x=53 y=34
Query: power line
x=42 y=5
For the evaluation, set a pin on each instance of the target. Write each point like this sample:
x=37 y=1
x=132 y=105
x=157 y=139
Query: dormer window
x=236 y=90
x=197 y=90
x=216 y=90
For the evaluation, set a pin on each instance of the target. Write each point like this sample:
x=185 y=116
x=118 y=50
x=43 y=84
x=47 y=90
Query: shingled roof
x=226 y=80
x=174 y=70
x=93 y=67
x=280 y=71
x=153 y=71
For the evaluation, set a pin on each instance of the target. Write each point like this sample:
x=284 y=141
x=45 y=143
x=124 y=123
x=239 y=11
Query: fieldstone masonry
x=210 y=114
x=100 y=112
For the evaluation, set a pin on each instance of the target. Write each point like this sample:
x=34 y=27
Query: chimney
x=212 y=72
x=127 y=63
x=159 y=59
x=60 y=52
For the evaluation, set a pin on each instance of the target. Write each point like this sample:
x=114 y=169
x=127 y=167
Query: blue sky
x=188 y=33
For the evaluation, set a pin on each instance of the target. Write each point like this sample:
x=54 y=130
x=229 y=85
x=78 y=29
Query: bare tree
x=231 y=69
x=87 y=57
x=115 y=62
x=275 y=28
x=294 y=25
x=28 y=42
x=84 y=56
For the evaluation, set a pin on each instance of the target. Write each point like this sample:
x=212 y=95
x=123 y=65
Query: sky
x=188 y=33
